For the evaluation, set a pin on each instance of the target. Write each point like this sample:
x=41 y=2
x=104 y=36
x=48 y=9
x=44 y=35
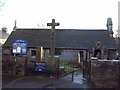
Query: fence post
x=25 y=67
x=72 y=76
x=58 y=69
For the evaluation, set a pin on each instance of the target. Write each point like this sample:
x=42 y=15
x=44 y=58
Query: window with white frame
x=33 y=53
x=82 y=54
x=57 y=51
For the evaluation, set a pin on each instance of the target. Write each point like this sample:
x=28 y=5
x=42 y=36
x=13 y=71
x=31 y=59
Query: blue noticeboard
x=19 y=47
x=40 y=66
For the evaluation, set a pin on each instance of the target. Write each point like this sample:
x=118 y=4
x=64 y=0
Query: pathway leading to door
x=42 y=82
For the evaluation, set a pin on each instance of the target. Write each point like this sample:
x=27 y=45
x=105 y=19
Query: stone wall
x=105 y=73
x=10 y=67
x=69 y=55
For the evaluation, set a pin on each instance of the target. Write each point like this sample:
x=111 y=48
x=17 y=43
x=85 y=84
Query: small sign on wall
x=40 y=66
x=19 y=47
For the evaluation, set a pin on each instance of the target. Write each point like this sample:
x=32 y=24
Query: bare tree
x=2 y=3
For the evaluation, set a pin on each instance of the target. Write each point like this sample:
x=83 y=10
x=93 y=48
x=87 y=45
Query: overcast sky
x=71 y=14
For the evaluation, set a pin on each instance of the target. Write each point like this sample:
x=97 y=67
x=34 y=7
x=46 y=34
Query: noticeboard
x=40 y=66
x=19 y=47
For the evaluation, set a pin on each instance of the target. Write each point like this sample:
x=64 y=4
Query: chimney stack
x=4 y=29
x=110 y=26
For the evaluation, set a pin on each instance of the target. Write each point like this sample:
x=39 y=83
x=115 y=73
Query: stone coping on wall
x=106 y=60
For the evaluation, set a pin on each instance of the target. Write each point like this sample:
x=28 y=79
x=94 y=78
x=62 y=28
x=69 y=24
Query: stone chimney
x=110 y=26
x=4 y=29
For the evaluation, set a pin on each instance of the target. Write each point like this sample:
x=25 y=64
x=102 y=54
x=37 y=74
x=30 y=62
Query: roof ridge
x=62 y=29
x=83 y=29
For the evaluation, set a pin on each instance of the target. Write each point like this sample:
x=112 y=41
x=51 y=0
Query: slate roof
x=65 y=38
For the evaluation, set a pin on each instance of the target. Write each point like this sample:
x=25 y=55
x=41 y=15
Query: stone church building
x=69 y=43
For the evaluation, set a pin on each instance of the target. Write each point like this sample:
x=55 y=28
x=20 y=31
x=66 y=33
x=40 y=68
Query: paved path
x=78 y=82
x=28 y=82
x=43 y=82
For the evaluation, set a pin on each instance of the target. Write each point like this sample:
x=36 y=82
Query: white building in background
x=3 y=35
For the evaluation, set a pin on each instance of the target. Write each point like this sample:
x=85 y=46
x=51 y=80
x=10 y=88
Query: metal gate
x=87 y=69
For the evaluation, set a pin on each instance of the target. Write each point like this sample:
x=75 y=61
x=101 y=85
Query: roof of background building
x=3 y=34
x=65 y=38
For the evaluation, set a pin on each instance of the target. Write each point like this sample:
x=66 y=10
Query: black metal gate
x=87 y=69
